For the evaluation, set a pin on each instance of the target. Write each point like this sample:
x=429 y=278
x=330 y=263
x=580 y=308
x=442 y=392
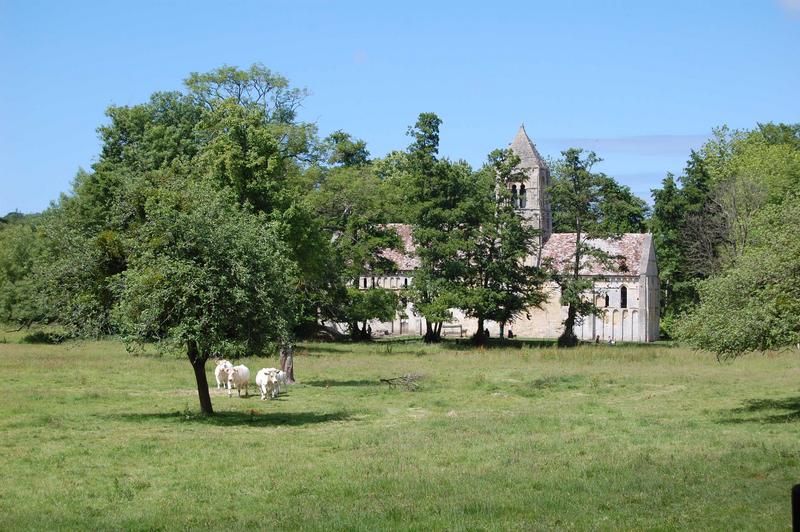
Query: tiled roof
x=407 y=258
x=628 y=250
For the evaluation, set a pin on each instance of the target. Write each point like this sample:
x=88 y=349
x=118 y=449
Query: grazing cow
x=239 y=376
x=222 y=371
x=267 y=382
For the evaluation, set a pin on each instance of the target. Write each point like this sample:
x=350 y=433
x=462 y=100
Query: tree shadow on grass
x=251 y=418
x=466 y=344
x=312 y=348
x=331 y=383
x=763 y=411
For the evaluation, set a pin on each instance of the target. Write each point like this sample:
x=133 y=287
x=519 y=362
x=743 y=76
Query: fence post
x=796 y=508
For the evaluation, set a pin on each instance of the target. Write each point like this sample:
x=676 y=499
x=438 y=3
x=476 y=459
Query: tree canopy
x=753 y=305
x=704 y=221
x=215 y=219
x=584 y=198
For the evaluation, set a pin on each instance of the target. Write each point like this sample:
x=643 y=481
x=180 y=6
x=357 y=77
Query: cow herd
x=268 y=380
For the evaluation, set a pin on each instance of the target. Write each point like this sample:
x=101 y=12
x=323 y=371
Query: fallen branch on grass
x=407 y=381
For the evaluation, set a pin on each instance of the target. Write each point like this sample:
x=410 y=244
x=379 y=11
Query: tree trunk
x=428 y=338
x=433 y=332
x=568 y=337
x=287 y=363
x=502 y=330
x=199 y=365
x=480 y=337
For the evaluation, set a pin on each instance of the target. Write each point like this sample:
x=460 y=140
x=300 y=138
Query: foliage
x=205 y=270
x=580 y=193
x=256 y=87
x=703 y=227
x=234 y=128
x=394 y=173
x=498 y=280
x=344 y=150
x=674 y=206
x=78 y=268
x=251 y=155
x=438 y=190
x=206 y=274
x=352 y=214
x=371 y=304
x=755 y=304
x=21 y=249
x=618 y=210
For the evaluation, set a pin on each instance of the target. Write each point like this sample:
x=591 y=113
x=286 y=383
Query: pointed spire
x=526 y=151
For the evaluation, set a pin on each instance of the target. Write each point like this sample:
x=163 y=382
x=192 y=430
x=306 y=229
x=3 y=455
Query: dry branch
x=407 y=381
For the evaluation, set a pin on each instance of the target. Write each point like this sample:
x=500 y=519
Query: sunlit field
x=525 y=436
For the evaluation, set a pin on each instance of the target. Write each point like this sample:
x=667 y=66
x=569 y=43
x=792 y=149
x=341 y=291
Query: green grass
x=624 y=437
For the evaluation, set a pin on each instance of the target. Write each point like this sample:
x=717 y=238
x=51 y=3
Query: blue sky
x=641 y=83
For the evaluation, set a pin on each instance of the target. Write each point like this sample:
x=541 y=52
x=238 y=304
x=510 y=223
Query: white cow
x=222 y=371
x=267 y=382
x=239 y=376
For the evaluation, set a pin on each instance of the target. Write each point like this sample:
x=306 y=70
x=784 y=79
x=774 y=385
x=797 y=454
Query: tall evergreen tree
x=437 y=190
x=580 y=195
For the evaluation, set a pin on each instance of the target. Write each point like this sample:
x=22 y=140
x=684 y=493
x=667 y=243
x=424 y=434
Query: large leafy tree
x=21 y=253
x=498 y=280
x=192 y=227
x=437 y=189
x=235 y=128
x=580 y=197
x=353 y=211
x=678 y=204
x=702 y=221
x=205 y=274
x=370 y=304
x=753 y=305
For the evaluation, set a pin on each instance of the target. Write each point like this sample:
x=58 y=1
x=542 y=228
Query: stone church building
x=628 y=290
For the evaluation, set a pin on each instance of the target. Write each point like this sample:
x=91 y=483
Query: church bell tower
x=530 y=195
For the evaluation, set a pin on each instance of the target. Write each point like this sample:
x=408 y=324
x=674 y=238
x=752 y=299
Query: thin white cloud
x=792 y=7
x=642 y=145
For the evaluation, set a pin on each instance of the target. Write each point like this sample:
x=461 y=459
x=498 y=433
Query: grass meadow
x=525 y=437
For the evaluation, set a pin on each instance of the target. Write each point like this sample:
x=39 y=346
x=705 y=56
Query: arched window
x=405 y=282
x=373 y=282
x=514 y=195
x=523 y=198
x=606 y=299
x=623 y=297
x=365 y=282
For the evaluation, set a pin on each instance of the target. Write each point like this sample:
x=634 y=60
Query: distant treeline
x=727 y=235
x=215 y=219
